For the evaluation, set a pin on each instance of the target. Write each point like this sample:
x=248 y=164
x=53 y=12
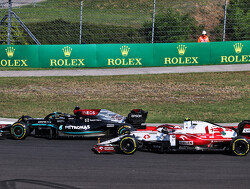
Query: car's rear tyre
x=240 y=146
x=124 y=129
x=19 y=130
x=128 y=145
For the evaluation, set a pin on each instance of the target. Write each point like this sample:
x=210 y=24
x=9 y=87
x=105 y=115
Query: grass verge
x=216 y=97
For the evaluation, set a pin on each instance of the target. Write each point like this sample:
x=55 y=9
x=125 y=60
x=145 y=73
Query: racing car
x=84 y=123
x=193 y=135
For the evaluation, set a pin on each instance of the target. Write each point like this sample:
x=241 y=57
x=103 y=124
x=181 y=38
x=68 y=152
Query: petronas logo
x=10 y=52
x=182 y=49
x=238 y=48
x=124 y=50
x=67 y=51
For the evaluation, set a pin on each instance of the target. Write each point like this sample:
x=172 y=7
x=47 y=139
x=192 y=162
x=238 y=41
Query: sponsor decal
x=12 y=62
x=216 y=141
x=125 y=61
x=181 y=49
x=246 y=130
x=181 y=60
x=42 y=122
x=186 y=142
x=146 y=137
x=124 y=50
x=66 y=62
x=172 y=140
x=81 y=127
x=95 y=120
x=223 y=133
x=88 y=112
x=2 y=126
x=106 y=148
x=238 y=47
x=90 y=120
x=116 y=117
x=110 y=125
x=60 y=127
x=211 y=129
x=67 y=51
x=10 y=51
x=183 y=137
x=136 y=116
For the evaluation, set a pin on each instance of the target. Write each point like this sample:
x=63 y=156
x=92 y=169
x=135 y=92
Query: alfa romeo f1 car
x=193 y=135
x=84 y=122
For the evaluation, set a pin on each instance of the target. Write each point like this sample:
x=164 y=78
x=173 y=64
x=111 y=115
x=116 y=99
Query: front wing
x=104 y=149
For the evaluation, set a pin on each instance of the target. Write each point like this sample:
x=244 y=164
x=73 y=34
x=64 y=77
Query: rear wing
x=137 y=118
x=244 y=128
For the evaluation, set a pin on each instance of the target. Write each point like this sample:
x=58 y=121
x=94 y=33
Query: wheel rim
x=241 y=147
x=128 y=145
x=124 y=130
x=18 y=131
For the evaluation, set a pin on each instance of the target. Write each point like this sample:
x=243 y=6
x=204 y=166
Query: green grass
x=107 y=21
x=113 y=12
x=92 y=13
x=217 y=97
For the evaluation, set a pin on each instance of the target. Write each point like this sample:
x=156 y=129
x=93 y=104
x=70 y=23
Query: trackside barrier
x=124 y=55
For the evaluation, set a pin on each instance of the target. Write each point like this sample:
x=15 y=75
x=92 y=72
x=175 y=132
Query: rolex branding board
x=124 y=55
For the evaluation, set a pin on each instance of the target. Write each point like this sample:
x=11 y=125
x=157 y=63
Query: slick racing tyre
x=19 y=130
x=124 y=129
x=25 y=119
x=240 y=146
x=128 y=145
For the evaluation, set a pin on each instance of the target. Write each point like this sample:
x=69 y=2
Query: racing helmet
x=204 y=32
x=187 y=123
x=77 y=108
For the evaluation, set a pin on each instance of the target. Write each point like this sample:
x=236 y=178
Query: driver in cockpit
x=188 y=124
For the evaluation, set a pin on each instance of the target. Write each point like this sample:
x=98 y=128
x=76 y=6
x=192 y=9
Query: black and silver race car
x=84 y=123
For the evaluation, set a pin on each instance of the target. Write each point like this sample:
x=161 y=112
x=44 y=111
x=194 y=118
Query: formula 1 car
x=84 y=122
x=193 y=135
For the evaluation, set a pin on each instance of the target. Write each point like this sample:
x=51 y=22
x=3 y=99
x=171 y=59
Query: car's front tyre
x=124 y=129
x=128 y=145
x=19 y=130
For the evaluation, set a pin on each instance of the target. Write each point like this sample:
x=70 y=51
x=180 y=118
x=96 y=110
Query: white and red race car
x=193 y=135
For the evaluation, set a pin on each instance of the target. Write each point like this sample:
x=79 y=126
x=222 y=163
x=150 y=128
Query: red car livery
x=193 y=135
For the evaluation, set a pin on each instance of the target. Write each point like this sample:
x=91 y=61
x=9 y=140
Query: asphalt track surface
x=42 y=163
x=37 y=163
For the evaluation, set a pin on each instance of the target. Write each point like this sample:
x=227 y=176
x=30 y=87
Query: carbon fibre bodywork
x=84 y=123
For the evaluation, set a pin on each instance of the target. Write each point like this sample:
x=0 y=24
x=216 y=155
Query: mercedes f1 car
x=84 y=122
x=193 y=135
